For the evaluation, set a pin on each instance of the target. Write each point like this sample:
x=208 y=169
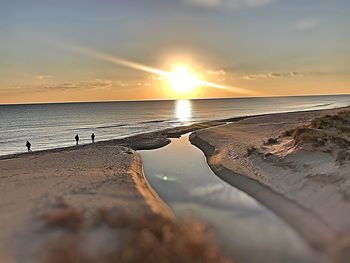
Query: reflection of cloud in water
x=236 y=206
x=206 y=189
x=219 y=196
x=223 y=194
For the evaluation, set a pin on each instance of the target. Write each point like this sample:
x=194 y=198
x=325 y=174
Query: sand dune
x=305 y=184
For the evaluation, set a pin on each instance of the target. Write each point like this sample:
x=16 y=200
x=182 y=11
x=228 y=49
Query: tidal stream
x=246 y=230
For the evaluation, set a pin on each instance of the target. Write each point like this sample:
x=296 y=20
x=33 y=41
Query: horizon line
x=171 y=99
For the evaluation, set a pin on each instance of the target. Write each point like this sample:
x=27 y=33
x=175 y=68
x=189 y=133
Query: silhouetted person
x=28 y=144
x=77 y=139
x=93 y=137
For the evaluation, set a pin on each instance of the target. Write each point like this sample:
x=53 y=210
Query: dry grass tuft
x=315 y=137
x=64 y=217
x=339 y=122
x=148 y=238
x=341 y=252
x=250 y=151
x=343 y=156
x=153 y=238
x=64 y=249
x=330 y=133
x=271 y=141
x=288 y=133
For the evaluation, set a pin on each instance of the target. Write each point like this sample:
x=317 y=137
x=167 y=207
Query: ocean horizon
x=53 y=125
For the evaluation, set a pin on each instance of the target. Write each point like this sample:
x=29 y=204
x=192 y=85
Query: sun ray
x=114 y=59
x=193 y=81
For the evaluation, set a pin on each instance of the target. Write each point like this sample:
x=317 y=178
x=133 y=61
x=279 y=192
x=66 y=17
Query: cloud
x=231 y=4
x=12 y=90
x=296 y=74
x=204 y=3
x=143 y=83
x=306 y=24
x=219 y=72
x=217 y=75
x=95 y=84
x=255 y=76
x=121 y=83
x=43 y=77
x=91 y=84
x=156 y=77
x=290 y=74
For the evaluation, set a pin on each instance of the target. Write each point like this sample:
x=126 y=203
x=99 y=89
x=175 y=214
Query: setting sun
x=182 y=81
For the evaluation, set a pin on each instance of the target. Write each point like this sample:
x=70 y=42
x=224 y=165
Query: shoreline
x=159 y=138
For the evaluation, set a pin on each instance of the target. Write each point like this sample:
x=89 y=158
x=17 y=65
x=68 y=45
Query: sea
x=55 y=125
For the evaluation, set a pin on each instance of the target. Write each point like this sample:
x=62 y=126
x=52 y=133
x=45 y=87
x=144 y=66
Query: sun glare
x=183 y=110
x=182 y=81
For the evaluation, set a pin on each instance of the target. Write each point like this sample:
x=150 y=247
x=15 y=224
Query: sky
x=51 y=50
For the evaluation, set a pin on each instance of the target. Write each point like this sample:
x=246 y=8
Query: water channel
x=245 y=229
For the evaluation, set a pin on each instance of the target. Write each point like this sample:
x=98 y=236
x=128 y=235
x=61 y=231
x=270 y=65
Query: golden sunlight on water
x=183 y=110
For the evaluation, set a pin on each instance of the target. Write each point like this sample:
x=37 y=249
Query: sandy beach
x=44 y=193
x=53 y=198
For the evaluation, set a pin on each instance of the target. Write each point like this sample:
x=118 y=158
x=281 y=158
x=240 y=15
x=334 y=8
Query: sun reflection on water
x=183 y=110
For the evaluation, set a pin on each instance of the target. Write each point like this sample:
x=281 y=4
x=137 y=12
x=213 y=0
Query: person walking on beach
x=93 y=137
x=77 y=139
x=28 y=144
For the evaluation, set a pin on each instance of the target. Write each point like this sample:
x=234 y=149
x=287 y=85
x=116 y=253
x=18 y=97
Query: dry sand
x=88 y=178
x=304 y=184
